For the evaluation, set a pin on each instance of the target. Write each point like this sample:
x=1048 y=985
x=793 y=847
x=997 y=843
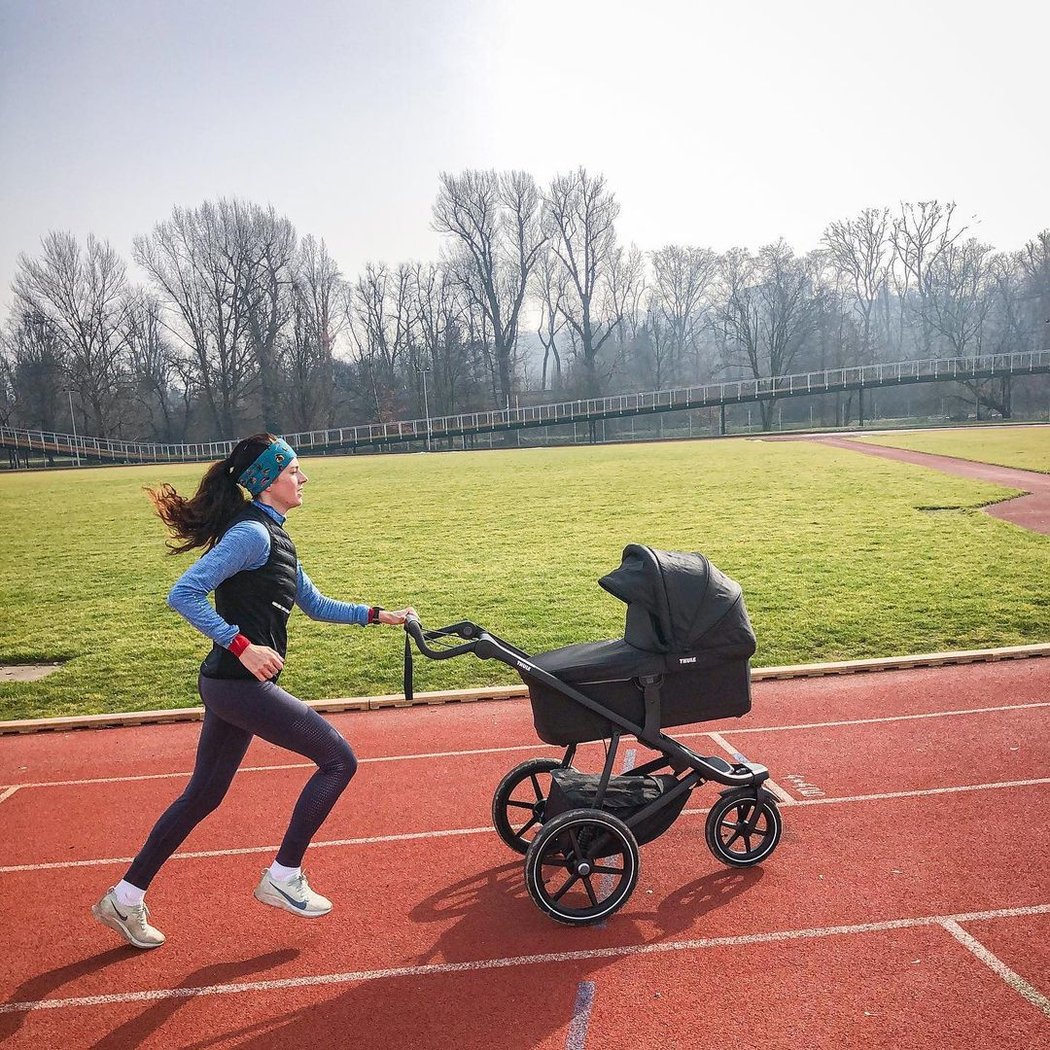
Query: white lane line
x=538 y=746
x=487 y=829
x=885 y=718
x=185 y=774
x=241 y=851
x=9 y=791
x=922 y=792
x=1014 y=980
x=478 y=965
x=772 y=785
x=882 y=796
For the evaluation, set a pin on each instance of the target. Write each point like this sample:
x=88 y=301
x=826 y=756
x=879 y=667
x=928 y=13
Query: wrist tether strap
x=408 y=667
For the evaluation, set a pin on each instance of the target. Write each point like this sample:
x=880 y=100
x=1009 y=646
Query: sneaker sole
x=279 y=902
x=116 y=925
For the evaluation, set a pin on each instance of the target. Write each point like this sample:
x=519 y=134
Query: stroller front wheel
x=582 y=866
x=741 y=829
x=517 y=805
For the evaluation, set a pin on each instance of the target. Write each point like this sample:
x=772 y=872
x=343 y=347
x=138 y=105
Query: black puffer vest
x=259 y=601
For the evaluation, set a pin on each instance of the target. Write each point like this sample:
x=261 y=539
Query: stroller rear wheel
x=517 y=805
x=742 y=829
x=582 y=866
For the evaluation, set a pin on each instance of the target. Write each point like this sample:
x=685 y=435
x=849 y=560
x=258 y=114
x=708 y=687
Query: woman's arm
x=319 y=607
x=245 y=546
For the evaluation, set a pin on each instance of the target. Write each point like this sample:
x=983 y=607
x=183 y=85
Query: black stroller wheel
x=582 y=866
x=743 y=830
x=517 y=805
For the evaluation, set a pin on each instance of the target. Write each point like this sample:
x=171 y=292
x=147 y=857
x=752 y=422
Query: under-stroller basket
x=624 y=797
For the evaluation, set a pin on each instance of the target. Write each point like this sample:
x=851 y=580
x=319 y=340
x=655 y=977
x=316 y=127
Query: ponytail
x=201 y=520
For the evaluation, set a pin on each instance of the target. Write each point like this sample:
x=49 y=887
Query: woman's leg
x=220 y=752
x=269 y=712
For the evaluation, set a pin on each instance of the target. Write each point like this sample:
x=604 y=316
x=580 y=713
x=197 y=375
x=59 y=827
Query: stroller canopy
x=679 y=603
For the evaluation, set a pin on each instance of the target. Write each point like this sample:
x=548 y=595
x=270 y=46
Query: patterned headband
x=269 y=463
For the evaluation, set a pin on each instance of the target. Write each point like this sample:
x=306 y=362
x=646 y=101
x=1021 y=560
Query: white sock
x=281 y=873
x=127 y=894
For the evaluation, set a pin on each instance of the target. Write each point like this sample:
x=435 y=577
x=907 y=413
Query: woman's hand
x=396 y=617
x=262 y=661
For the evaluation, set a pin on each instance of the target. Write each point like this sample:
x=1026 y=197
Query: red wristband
x=238 y=645
x=373 y=613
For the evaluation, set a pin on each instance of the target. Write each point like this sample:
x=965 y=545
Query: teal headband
x=269 y=463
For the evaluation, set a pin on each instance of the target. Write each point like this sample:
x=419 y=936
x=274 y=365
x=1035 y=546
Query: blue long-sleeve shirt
x=244 y=547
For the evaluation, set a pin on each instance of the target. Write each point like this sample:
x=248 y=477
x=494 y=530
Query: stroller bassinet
x=686 y=646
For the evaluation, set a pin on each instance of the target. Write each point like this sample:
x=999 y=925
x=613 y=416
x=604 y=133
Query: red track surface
x=908 y=904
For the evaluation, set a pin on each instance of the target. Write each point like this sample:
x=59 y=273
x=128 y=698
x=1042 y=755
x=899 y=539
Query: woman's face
x=287 y=490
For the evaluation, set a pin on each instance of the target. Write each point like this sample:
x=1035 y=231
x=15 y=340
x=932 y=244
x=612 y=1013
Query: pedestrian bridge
x=423 y=433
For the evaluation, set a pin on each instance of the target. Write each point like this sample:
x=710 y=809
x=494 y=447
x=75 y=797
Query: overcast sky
x=715 y=124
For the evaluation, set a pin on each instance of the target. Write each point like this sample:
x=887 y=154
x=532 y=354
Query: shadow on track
x=135 y=1030
x=40 y=986
x=506 y=1007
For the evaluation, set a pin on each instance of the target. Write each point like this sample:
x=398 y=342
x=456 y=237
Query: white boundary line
x=487 y=829
x=732 y=731
x=772 y=785
x=875 y=721
x=1014 y=980
x=9 y=791
x=243 y=850
x=480 y=965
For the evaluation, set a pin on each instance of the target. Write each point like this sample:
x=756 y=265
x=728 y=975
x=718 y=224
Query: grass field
x=840 y=556
x=1027 y=448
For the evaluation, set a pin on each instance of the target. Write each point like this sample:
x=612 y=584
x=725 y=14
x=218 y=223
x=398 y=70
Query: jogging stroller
x=683 y=659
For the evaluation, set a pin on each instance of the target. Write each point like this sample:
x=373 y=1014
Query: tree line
x=242 y=323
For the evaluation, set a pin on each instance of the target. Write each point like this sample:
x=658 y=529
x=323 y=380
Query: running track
x=908 y=904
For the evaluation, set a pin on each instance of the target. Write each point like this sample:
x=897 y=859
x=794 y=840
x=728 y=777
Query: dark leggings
x=235 y=710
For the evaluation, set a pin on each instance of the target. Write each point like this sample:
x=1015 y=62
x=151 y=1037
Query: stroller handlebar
x=471 y=632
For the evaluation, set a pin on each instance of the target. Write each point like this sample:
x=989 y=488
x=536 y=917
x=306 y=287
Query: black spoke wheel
x=517 y=805
x=742 y=829
x=582 y=866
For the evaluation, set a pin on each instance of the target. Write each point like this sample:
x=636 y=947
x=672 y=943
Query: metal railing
x=730 y=392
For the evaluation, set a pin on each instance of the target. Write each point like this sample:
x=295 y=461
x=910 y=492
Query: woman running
x=251 y=565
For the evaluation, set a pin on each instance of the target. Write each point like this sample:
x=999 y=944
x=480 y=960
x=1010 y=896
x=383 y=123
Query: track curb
x=516 y=692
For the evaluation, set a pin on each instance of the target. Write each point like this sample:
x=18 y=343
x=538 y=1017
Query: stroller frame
x=746 y=808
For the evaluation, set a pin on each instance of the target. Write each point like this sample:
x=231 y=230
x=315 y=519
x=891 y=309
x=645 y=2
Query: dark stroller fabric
x=624 y=797
x=680 y=603
x=686 y=626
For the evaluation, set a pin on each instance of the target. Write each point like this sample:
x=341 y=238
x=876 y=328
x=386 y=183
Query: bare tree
x=80 y=294
x=682 y=277
x=767 y=312
x=581 y=212
x=35 y=372
x=201 y=265
x=457 y=375
x=381 y=315
x=155 y=371
x=956 y=295
x=861 y=250
x=494 y=218
x=1034 y=261
x=269 y=245
x=921 y=233
x=548 y=286
x=317 y=315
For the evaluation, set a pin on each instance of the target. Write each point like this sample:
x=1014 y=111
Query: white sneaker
x=129 y=920
x=293 y=895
